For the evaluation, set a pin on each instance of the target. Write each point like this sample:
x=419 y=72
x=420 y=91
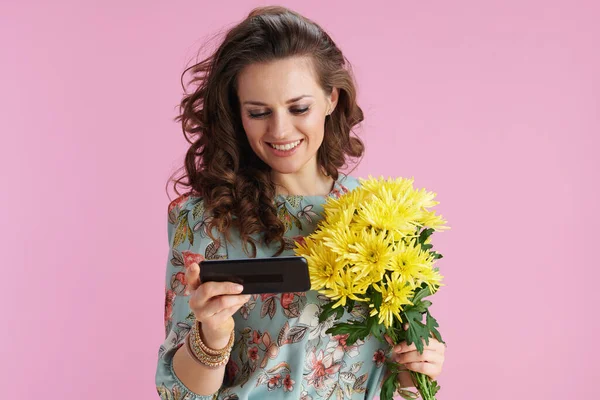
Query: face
x=283 y=111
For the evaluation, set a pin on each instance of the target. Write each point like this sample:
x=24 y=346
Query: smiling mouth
x=287 y=146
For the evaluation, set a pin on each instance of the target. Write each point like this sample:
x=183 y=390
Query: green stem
x=424 y=385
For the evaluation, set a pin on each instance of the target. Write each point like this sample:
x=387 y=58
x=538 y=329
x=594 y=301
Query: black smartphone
x=260 y=275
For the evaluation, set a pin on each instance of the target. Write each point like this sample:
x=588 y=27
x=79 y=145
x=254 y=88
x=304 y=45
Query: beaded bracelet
x=212 y=352
x=203 y=354
x=202 y=359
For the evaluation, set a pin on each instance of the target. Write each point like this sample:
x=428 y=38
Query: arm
x=177 y=374
x=199 y=379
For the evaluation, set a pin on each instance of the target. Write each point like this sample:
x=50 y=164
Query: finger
x=431 y=370
x=209 y=290
x=214 y=289
x=434 y=344
x=388 y=339
x=217 y=320
x=222 y=316
x=218 y=304
x=429 y=356
x=192 y=278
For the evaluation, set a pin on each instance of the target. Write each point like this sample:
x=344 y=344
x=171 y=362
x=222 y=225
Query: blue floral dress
x=280 y=349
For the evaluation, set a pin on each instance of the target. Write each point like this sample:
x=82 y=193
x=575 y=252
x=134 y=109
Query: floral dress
x=280 y=350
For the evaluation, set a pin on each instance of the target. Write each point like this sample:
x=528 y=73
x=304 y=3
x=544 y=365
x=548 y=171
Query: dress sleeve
x=187 y=244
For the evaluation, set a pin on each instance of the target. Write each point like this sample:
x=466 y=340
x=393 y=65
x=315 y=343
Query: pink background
x=494 y=105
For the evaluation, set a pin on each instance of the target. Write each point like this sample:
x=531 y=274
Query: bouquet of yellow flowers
x=373 y=247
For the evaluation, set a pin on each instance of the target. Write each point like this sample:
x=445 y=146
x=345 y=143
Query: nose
x=280 y=125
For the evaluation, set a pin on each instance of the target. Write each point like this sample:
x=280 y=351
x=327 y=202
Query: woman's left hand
x=429 y=363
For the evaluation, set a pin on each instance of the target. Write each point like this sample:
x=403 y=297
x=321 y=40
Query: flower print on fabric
x=281 y=349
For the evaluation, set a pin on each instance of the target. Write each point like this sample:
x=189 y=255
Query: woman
x=270 y=125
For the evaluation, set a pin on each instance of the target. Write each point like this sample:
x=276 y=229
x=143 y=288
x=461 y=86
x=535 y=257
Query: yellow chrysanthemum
x=395 y=294
x=432 y=278
x=410 y=261
x=347 y=286
x=431 y=220
x=398 y=187
x=323 y=266
x=348 y=202
x=382 y=213
x=303 y=247
x=371 y=254
x=339 y=238
x=367 y=232
x=424 y=198
x=341 y=217
x=414 y=203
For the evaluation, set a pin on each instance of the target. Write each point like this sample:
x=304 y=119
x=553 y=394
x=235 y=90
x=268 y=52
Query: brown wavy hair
x=220 y=165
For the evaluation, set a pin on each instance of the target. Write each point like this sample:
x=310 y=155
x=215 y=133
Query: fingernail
x=239 y=288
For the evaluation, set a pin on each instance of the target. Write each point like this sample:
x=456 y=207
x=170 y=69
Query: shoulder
x=348 y=182
x=188 y=206
x=189 y=225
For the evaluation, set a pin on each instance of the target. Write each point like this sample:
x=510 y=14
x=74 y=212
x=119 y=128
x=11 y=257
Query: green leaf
x=420 y=306
x=326 y=311
x=350 y=305
x=417 y=331
x=355 y=329
x=421 y=293
x=374 y=327
x=392 y=366
x=339 y=312
x=425 y=235
x=432 y=324
x=389 y=387
x=376 y=298
x=434 y=388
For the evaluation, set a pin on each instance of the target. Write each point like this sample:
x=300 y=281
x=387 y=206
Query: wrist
x=213 y=340
x=205 y=355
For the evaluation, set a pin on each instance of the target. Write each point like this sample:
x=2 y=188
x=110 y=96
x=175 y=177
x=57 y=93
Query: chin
x=285 y=166
x=285 y=169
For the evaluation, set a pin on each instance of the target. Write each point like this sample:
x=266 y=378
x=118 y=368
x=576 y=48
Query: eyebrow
x=258 y=103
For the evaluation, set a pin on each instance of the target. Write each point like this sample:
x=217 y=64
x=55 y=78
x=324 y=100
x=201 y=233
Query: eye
x=296 y=111
x=257 y=115
x=299 y=111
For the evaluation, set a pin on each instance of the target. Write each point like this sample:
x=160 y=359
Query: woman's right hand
x=213 y=304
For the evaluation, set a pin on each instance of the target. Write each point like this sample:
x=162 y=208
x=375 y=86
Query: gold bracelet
x=203 y=354
x=202 y=358
x=211 y=352
x=207 y=357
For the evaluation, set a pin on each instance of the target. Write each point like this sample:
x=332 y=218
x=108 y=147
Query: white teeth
x=286 y=147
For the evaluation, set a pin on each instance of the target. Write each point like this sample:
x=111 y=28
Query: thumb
x=388 y=339
x=192 y=277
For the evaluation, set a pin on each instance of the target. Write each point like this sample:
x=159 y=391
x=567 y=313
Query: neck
x=306 y=182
